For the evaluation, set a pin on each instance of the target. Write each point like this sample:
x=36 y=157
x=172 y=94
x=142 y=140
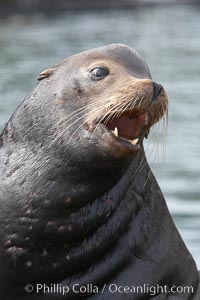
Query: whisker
x=97 y=110
x=148 y=176
x=70 y=116
x=71 y=124
x=109 y=115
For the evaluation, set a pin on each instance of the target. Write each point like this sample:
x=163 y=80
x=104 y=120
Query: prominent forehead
x=119 y=53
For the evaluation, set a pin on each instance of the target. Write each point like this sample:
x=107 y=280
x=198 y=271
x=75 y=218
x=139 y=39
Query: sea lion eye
x=99 y=73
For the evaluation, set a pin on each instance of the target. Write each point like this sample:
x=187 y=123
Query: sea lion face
x=109 y=100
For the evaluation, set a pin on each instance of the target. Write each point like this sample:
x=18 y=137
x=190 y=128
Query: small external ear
x=46 y=73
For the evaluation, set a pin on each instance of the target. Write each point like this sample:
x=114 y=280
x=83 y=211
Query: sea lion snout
x=128 y=108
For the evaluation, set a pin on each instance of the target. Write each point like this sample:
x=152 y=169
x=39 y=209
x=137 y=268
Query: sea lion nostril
x=157 y=88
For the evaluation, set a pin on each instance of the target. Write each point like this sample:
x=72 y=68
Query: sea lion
x=79 y=207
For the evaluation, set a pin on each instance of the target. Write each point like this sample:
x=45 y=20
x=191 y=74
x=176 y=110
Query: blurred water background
x=168 y=38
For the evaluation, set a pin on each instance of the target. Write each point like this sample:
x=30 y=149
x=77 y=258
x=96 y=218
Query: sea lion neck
x=52 y=223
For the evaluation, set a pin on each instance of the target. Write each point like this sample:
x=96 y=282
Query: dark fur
x=73 y=212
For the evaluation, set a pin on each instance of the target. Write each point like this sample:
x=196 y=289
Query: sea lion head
x=108 y=102
x=86 y=120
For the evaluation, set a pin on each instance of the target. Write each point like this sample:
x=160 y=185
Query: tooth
x=134 y=142
x=116 y=131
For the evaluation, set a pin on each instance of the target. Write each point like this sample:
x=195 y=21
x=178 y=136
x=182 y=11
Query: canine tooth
x=116 y=131
x=134 y=142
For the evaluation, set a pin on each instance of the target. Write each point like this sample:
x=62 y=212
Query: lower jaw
x=109 y=144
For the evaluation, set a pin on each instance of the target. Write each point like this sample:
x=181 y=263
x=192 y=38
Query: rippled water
x=168 y=38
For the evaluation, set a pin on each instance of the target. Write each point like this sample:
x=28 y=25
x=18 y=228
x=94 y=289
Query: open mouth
x=130 y=126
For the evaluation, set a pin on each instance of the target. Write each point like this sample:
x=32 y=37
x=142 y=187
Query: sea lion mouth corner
x=127 y=128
